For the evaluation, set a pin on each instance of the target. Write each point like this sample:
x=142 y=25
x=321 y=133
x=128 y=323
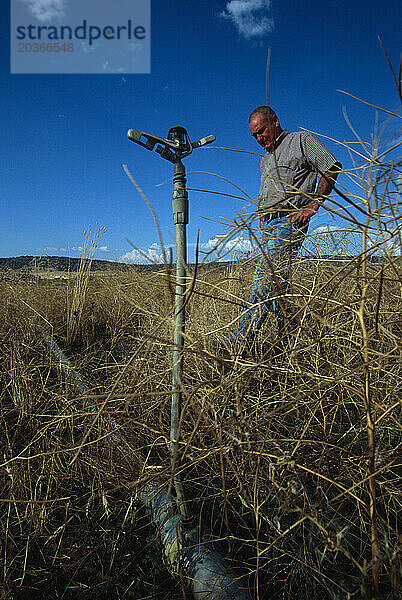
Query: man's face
x=264 y=131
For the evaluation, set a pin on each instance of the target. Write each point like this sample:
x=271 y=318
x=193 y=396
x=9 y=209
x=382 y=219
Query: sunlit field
x=275 y=452
x=289 y=456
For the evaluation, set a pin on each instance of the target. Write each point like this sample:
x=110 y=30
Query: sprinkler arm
x=177 y=140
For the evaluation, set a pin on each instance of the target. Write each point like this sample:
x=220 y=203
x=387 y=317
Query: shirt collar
x=278 y=140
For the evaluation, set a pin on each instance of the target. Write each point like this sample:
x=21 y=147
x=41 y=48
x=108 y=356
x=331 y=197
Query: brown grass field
x=291 y=459
x=275 y=453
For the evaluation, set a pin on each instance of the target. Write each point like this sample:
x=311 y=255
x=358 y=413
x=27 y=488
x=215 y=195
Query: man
x=289 y=196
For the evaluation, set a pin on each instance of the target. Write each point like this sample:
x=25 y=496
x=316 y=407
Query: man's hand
x=324 y=188
x=304 y=214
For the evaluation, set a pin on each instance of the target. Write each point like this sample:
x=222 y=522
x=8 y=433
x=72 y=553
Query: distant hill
x=56 y=263
x=29 y=264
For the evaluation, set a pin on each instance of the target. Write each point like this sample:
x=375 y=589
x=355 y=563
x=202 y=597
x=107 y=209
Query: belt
x=274 y=215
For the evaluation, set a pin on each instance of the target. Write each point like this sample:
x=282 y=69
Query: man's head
x=264 y=126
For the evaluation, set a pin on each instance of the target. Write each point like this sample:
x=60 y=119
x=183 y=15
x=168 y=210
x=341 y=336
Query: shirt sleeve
x=317 y=155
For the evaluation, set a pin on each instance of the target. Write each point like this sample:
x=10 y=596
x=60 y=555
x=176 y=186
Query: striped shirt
x=290 y=170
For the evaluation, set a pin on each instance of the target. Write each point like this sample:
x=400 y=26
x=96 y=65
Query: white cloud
x=134 y=47
x=225 y=249
x=73 y=249
x=151 y=255
x=250 y=17
x=46 y=10
x=88 y=49
x=328 y=230
x=217 y=246
x=331 y=240
x=389 y=242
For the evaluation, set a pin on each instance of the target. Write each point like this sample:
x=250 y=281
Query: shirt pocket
x=280 y=181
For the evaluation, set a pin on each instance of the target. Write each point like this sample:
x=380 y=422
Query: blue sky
x=64 y=136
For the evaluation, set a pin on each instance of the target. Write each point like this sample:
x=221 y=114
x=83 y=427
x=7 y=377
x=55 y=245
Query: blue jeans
x=280 y=243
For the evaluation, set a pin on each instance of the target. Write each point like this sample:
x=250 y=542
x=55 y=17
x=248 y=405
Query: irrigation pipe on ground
x=191 y=557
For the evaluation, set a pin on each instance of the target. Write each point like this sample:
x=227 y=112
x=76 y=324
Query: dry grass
x=274 y=454
x=291 y=459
